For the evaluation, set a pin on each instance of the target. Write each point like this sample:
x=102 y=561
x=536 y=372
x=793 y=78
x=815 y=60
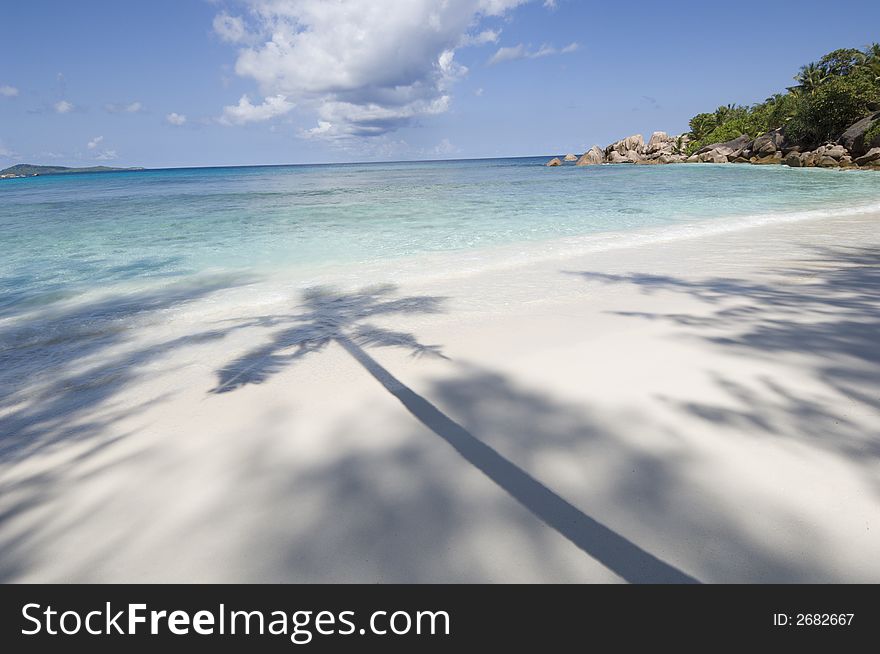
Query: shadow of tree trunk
x=618 y=554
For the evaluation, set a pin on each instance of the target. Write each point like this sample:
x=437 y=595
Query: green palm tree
x=723 y=112
x=871 y=61
x=779 y=108
x=810 y=78
x=701 y=125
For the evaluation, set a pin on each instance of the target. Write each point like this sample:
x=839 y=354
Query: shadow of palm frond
x=825 y=309
x=328 y=315
x=66 y=369
x=60 y=363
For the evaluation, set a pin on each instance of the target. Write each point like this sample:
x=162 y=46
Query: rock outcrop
x=657 y=142
x=592 y=157
x=853 y=139
x=634 y=142
x=833 y=150
x=794 y=159
x=727 y=148
x=870 y=156
x=768 y=144
x=660 y=148
x=633 y=156
x=775 y=158
x=615 y=157
x=851 y=150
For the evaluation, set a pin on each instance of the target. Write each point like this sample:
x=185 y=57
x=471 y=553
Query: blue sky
x=225 y=82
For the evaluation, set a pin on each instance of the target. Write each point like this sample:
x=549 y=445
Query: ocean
x=66 y=236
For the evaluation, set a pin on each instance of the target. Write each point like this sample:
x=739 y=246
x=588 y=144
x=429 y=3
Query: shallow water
x=66 y=235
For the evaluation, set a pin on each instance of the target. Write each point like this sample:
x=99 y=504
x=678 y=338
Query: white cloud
x=366 y=68
x=520 y=51
x=8 y=91
x=91 y=145
x=107 y=155
x=444 y=147
x=479 y=92
x=63 y=107
x=322 y=129
x=346 y=119
x=247 y=112
x=230 y=28
x=550 y=4
x=486 y=36
x=131 y=108
x=175 y=118
x=508 y=54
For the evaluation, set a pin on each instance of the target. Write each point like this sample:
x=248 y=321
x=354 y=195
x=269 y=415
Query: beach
x=700 y=407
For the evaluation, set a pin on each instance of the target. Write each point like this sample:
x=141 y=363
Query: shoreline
x=459 y=264
x=439 y=267
x=675 y=394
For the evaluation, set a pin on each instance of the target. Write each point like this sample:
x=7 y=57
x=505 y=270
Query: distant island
x=30 y=170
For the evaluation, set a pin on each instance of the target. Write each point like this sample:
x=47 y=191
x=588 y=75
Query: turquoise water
x=64 y=234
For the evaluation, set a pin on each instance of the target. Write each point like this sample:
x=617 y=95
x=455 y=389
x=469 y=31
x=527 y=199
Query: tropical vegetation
x=829 y=96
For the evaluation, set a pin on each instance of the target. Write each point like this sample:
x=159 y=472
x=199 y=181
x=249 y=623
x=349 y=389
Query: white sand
x=718 y=421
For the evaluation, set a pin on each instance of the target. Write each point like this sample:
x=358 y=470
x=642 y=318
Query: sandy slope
x=706 y=409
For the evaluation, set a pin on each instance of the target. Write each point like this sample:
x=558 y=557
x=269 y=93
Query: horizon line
x=136 y=168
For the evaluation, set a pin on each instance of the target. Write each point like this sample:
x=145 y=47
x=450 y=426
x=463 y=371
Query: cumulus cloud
x=176 y=119
x=347 y=119
x=323 y=128
x=520 y=51
x=91 y=145
x=107 y=155
x=247 y=112
x=364 y=68
x=8 y=91
x=63 y=107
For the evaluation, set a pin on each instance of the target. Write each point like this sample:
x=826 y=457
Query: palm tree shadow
x=825 y=309
x=327 y=316
x=330 y=316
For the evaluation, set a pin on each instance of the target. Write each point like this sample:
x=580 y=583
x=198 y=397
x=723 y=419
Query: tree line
x=830 y=95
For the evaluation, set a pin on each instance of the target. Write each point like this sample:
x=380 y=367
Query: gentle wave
x=464 y=264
